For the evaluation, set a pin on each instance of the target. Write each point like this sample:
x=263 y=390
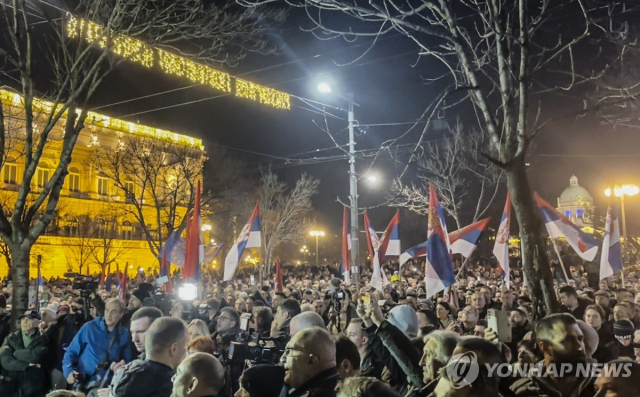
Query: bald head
x=305 y=320
x=200 y=374
x=310 y=352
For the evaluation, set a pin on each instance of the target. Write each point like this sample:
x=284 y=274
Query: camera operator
x=60 y=334
x=22 y=356
x=98 y=344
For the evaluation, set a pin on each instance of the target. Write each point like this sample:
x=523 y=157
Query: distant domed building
x=576 y=203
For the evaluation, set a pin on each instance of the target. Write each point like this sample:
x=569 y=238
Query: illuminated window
x=567 y=213
x=130 y=190
x=127 y=230
x=72 y=225
x=10 y=174
x=43 y=176
x=103 y=186
x=580 y=213
x=74 y=179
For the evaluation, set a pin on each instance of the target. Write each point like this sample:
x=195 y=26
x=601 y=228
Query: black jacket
x=321 y=385
x=60 y=335
x=16 y=358
x=5 y=326
x=150 y=379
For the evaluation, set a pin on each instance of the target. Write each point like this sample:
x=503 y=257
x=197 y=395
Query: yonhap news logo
x=463 y=369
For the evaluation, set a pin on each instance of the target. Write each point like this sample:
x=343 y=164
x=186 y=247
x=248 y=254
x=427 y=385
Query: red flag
x=345 y=265
x=165 y=270
x=123 y=284
x=278 y=276
x=102 y=278
x=368 y=228
x=194 y=252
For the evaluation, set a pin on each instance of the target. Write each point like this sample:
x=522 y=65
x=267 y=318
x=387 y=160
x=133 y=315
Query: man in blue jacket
x=97 y=345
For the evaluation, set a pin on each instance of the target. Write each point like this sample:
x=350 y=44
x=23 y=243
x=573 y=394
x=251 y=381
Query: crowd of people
x=322 y=336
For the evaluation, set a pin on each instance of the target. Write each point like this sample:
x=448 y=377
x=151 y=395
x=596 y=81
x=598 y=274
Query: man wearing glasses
x=310 y=364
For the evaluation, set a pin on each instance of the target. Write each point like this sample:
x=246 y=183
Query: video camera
x=251 y=349
x=83 y=283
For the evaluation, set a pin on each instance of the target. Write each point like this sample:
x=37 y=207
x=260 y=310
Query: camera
x=255 y=351
x=86 y=284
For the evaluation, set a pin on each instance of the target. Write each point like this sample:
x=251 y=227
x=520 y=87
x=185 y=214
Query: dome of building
x=574 y=193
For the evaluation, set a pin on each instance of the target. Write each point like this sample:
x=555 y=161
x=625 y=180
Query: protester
x=364 y=387
x=309 y=361
x=197 y=328
x=288 y=309
x=347 y=357
x=258 y=381
x=571 y=303
x=621 y=347
x=305 y=320
x=201 y=344
x=624 y=384
x=22 y=358
x=5 y=319
x=199 y=375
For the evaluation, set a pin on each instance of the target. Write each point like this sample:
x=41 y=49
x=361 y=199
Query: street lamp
x=621 y=191
x=325 y=88
x=316 y=234
x=305 y=251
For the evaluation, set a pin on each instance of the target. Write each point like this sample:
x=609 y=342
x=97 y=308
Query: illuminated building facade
x=576 y=204
x=94 y=222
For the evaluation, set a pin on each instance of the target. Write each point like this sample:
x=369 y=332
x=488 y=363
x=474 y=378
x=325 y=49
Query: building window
x=74 y=180
x=10 y=174
x=44 y=175
x=580 y=213
x=127 y=230
x=101 y=228
x=567 y=213
x=130 y=190
x=72 y=225
x=103 y=187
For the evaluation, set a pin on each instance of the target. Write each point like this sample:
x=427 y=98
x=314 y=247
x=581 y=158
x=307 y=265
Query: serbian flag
x=439 y=268
x=390 y=241
x=345 y=266
x=559 y=226
x=378 y=277
x=611 y=258
x=464 y=241
x=194 y=254
x=413 y=252
x=123 y=285
x=501 y=249
x=278 y=281
x=109 y=278
x=249 y=238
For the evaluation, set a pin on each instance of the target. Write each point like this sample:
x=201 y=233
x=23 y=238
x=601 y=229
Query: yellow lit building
x=91 y=216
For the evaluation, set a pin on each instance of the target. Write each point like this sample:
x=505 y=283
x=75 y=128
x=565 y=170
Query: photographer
x=22 y=356
x=98 y=344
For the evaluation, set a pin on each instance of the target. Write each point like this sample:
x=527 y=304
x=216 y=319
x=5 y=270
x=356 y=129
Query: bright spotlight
x=188 y=292
x=372 y=178
x=324 y=88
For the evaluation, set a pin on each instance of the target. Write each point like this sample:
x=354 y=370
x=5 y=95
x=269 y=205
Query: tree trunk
x=20 y=255
x=533 y=235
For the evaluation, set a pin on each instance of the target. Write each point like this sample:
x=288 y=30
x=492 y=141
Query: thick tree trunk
x=20 y=255
x=533 y=234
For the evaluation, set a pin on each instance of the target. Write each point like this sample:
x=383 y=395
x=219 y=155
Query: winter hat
x=623 y=329
x=405 y=319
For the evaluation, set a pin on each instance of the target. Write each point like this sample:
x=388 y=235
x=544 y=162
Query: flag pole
x=462 y=267
x=555 y=248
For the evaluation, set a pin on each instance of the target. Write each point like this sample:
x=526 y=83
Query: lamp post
x=316 y=234
x=621 y=191
x=305 y=251
x=353 y=184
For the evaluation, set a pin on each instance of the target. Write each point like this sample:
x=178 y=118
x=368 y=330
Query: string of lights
x=138 y=52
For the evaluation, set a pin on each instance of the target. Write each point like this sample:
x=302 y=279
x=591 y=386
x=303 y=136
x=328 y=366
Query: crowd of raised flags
x=438 y=250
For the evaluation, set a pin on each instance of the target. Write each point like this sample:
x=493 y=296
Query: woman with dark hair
x=261 y=381
x=445 y=314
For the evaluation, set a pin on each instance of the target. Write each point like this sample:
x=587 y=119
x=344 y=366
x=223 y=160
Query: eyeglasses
x=300 y=352
x=224 y=318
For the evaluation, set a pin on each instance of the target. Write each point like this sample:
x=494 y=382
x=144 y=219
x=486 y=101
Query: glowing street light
x=373 y=178
x=316 y=234
x=324 y=88
x=621 y=191
x=206 y=228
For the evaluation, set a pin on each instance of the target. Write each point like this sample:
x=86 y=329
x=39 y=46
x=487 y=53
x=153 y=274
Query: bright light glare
x=372 y=178
x=188 y=292
x=627 y=190
x=317 y=233
x=324 y=88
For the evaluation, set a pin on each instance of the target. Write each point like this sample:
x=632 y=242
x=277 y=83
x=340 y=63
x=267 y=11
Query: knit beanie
x=623 y=329
x=405 y=319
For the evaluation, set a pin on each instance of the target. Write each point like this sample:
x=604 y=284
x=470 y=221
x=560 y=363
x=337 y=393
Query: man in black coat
x=22 y=356
x=310 y=364
x=5 y=319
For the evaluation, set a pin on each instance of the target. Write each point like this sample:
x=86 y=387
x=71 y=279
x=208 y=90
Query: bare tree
x=107 y=245
x=284 y=211
x=79 y=245
x=157 y=179
x=498 y=57
x=78 y=67
x=465 y=181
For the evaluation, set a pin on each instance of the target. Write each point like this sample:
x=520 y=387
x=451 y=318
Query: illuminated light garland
x=179 y=66
x=95 y=119
x=265 y=95
x=136 y=51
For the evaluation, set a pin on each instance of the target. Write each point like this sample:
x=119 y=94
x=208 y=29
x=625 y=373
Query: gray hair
x=306 y=307
x=305 y=320
x=446 y=342
x=120 y=303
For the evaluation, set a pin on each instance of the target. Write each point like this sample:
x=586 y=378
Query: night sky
x=387 y=85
